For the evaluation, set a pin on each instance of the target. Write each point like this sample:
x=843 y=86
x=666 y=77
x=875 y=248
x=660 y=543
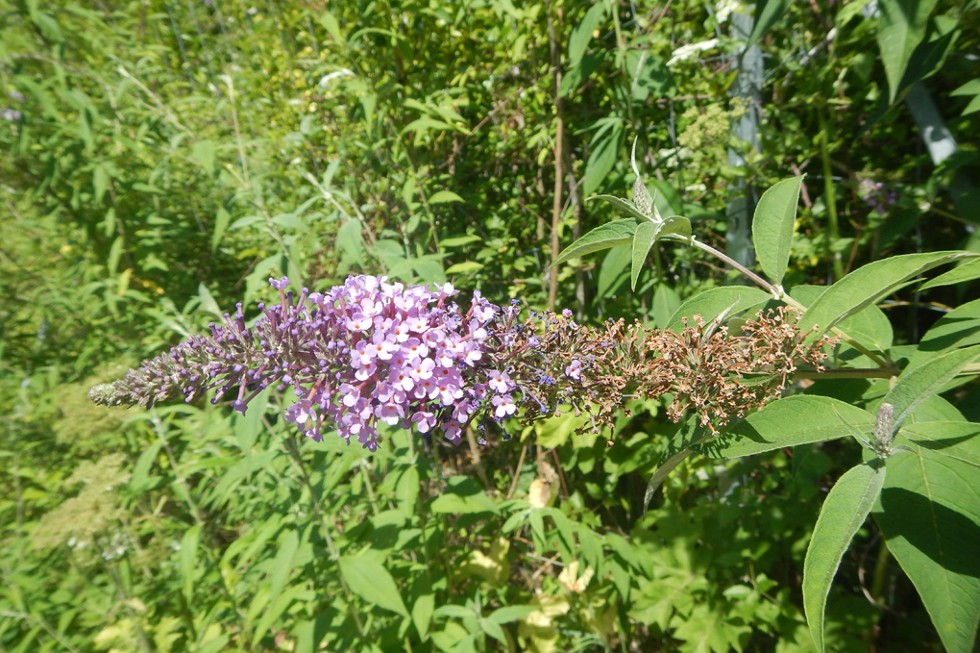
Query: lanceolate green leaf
x=463 y=496
x=676 y=226
x=929 y=512
x=972 y=87
x=958 y=328
x=422 y=613
x=643 y=240
x=946 y=438
x=367 y=577
x=712 y=302
x=582 y=34
x=624 y=206
x=188 y=560
x=966 y=272
x=870 y=283
x=791 y=421
x=767 y=12
x=843 y=512
x=919 y=383
x=871 y=327
x=772 y=227
x=903 y=26
x=617 y=232
x=283 y=563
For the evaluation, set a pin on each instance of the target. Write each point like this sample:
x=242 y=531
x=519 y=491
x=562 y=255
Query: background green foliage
x=161 y=160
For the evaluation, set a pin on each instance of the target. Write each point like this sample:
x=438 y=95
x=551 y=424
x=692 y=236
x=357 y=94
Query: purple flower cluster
x=398 y=355
x=360 y=354
x=372 y=353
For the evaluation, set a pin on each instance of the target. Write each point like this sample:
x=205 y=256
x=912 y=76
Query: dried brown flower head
x=705 y=368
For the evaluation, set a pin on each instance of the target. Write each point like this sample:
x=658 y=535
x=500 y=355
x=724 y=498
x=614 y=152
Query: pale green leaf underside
x=966 y=272
x=611 y=234
x=622 y=205
x=843 y=512
x=643 y=240
x=917 y=384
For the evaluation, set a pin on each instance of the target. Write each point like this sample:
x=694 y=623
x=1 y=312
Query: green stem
x=880 y=573
x=778 y=293
x=372 y=498
x=830 y=199
x=775 y=290
x=858 y=373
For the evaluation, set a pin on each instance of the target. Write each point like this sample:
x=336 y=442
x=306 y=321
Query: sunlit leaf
x=582 y=33
x=710 y=303
x=792 y=421
x=843 y=512
x=929 y=511
x=444 y=197
x=869 y=284
x=617 y=232
x=968 y=271
x=917 y=384
x=622 y=205
x=367 y=577
x=772 y=227
x=902 y=27
x=643 y=240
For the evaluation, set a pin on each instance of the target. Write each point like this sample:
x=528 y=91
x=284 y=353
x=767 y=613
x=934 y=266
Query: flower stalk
x=371 y=352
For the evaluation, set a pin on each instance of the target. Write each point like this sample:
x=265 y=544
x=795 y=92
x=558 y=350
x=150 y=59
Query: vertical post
x=748 y=87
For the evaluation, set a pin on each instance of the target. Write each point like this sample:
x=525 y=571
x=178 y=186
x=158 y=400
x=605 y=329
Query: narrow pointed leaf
x=643 y=240
x=958 y=328
x=945 y=438
x=921 y=382
x=766 y=13
x=611 y=234
x=792 y=421
x=869 y=284
x=665 y=303
x=578 y=43
x=902 y=28
x=966 y=272
x=929 y=513
x=613 y=270
x=282 y=564
x=510 y=613
x=843 y=512
x=422 y=613
x=972 y=87
x=661 y=474
x=712 y=302
x=624 y=206
x=367 y=577
x=676 y=226
x=189 y=561
x=772 y=227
